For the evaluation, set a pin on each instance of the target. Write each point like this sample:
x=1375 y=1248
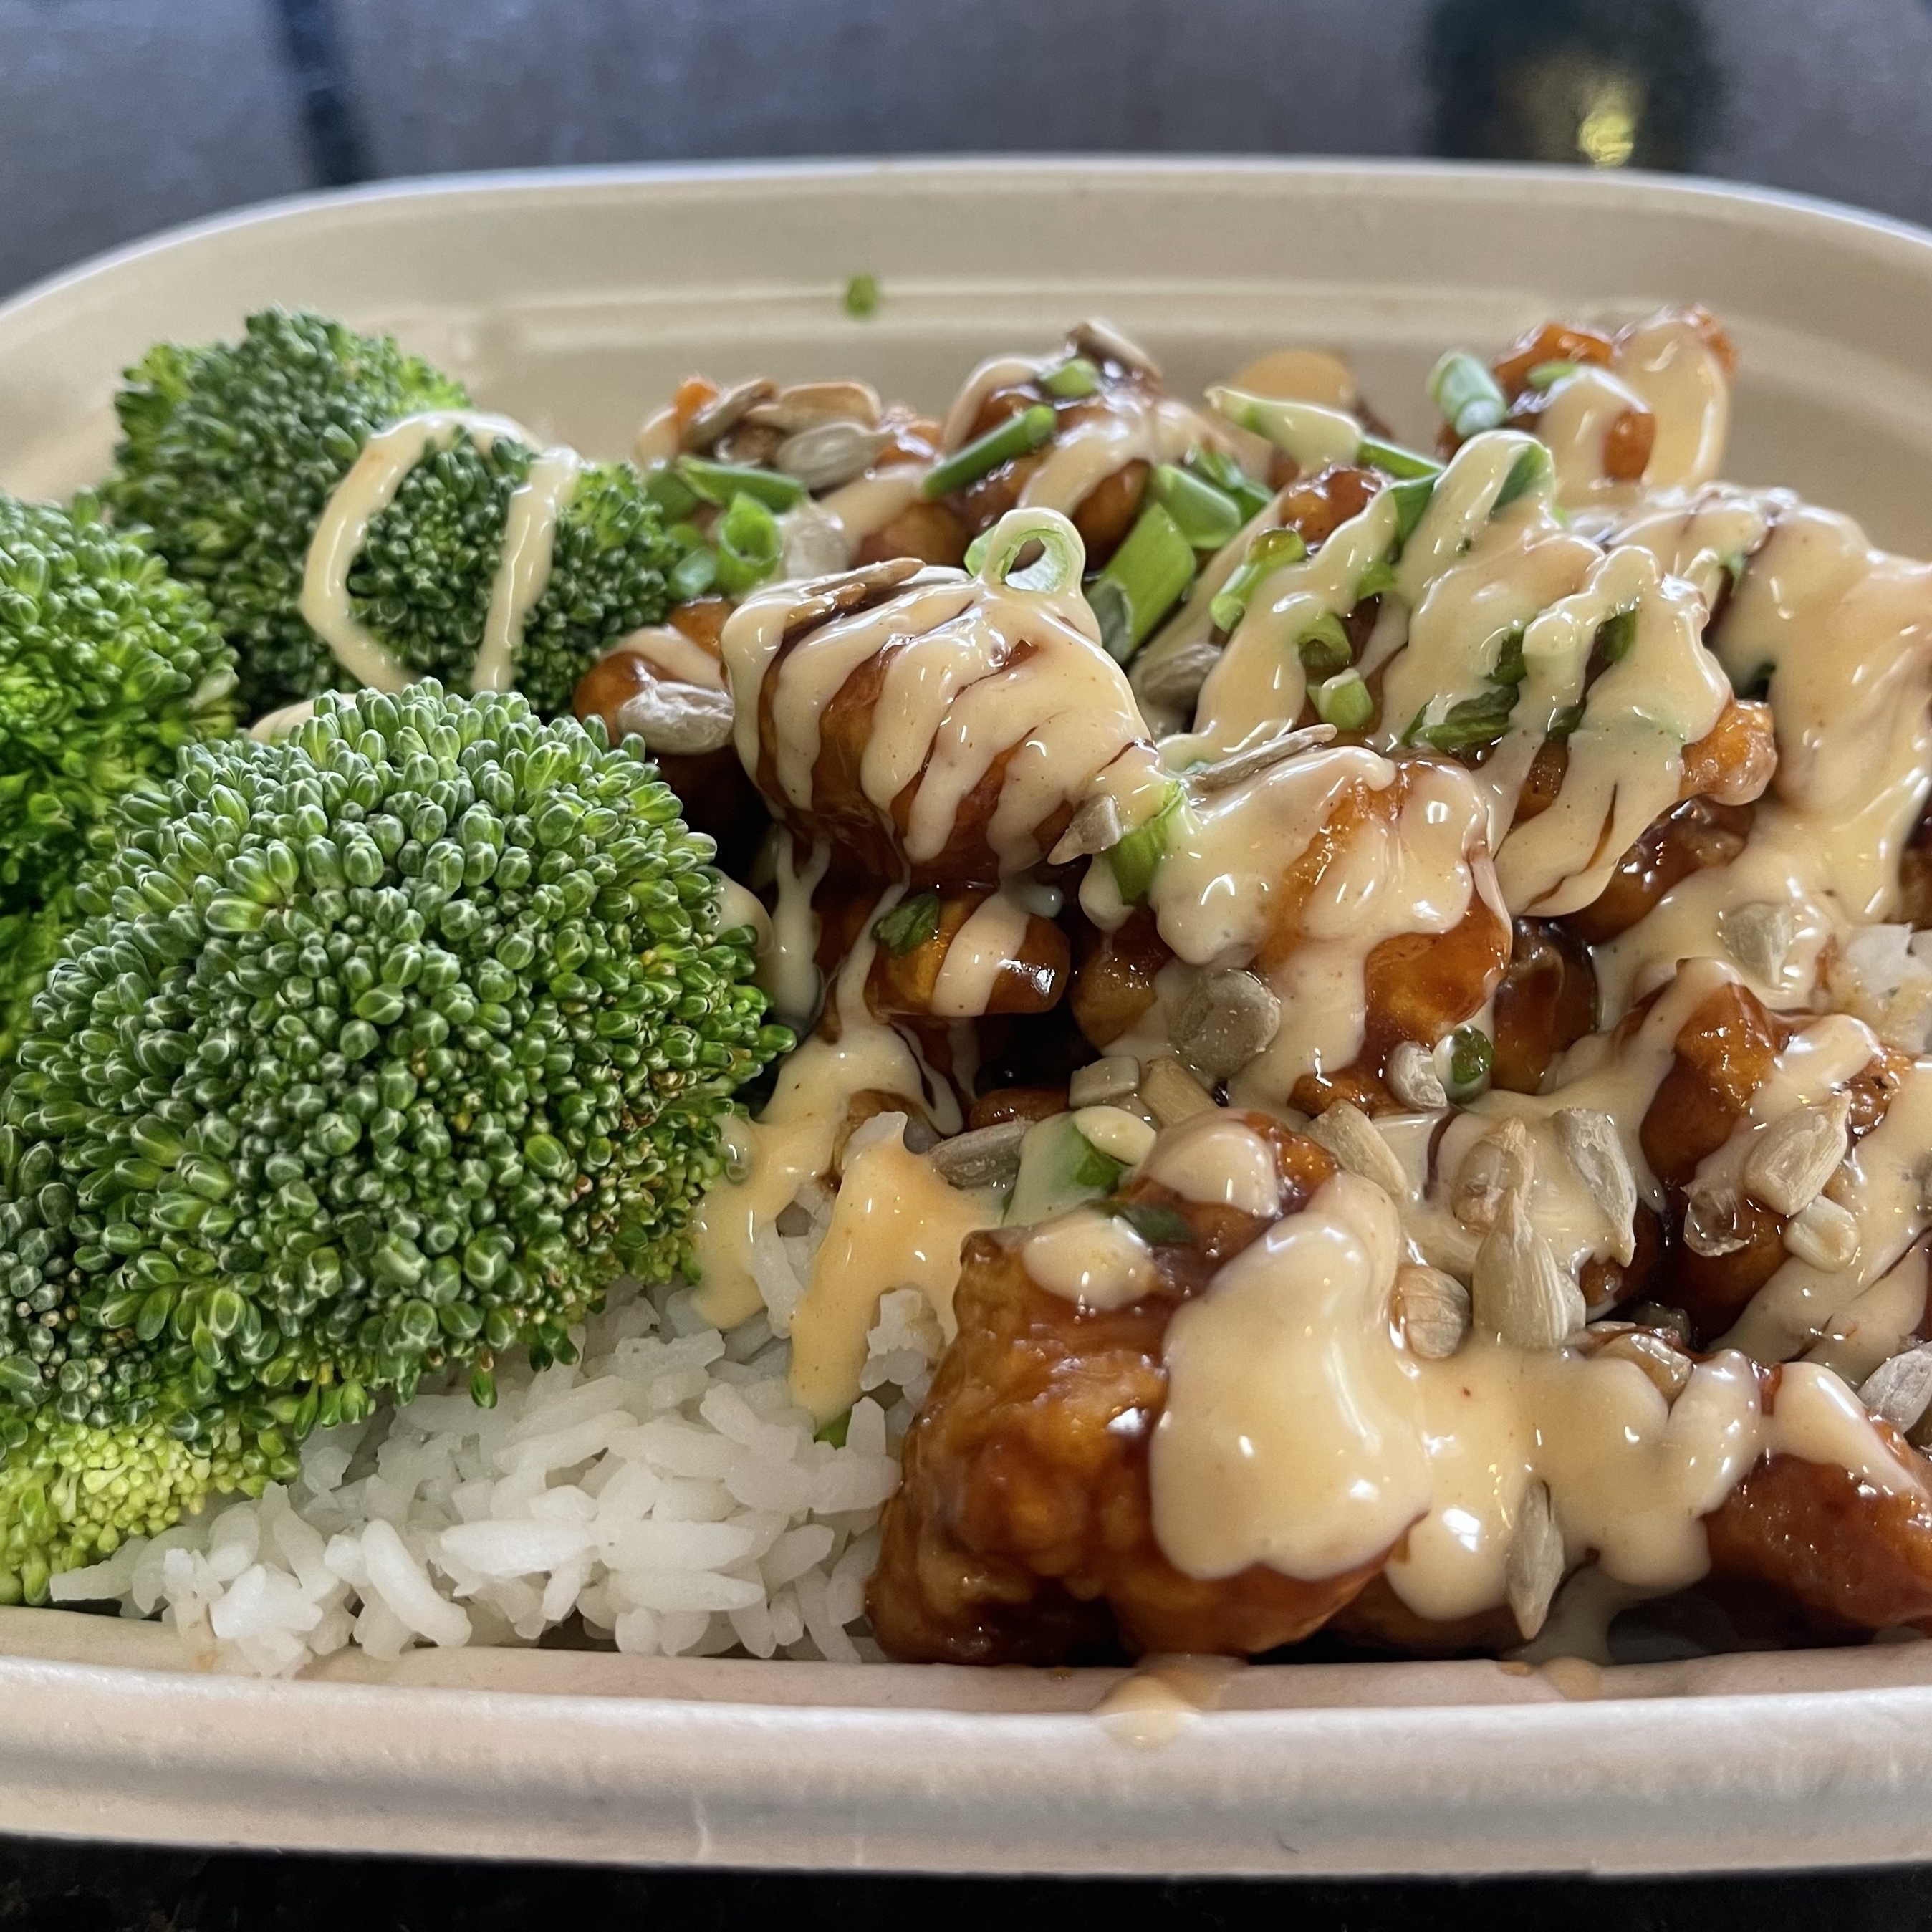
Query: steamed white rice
x=664 y=1489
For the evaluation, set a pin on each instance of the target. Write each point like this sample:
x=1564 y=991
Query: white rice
x=664 y=1489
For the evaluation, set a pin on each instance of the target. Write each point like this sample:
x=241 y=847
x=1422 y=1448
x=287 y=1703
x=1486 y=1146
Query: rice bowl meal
x=1115 y=1023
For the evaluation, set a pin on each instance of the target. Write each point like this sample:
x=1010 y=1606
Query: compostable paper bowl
x=574 y=301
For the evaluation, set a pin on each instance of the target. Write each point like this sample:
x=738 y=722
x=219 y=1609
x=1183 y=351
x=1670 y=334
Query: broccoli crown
x=70 y=1495
x=230 y=453
x=385 y=1046
x=107 y=667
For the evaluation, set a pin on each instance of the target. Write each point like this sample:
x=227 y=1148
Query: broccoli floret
x=70 y=1495
x=230 y=453
x=107 y=666
x=385 y=1047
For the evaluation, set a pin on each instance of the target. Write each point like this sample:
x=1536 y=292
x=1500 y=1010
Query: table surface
x=117 y=117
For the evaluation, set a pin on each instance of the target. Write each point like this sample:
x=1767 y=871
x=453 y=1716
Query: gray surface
x=120 y=116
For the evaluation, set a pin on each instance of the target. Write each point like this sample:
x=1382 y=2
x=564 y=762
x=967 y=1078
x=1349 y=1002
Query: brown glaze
x=1016 y=1103
x=1545 y=1003
x=1690 y=836
x=1023 y=1530
x=900 y=985
x=1113 y=988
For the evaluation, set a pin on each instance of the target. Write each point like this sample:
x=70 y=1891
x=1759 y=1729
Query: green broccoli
x=107 y=666
x=379 y=1049
x=230 y=454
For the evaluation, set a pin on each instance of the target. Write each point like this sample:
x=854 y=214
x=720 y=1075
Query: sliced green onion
x=670 y=492
x=976 y=553
x=1063 y=556
x=1157 y=1225
x=1392 y=460
x=861 y=296
x=1470 y=1055
x=1530 y=471
x=909 y=924
x=1735 y=563
x=1469 y=397
x=1016 y=436
x=1075 y=377
x=1510 y=668
x=1324 y=647
x=1758 y=684
x=1095 y=1169
x=1412 y=498
x=1313 y=436
x=834 y=1432
x=749 y=545
x=1207 y=517
x=1547 y=375
x=1344 y=702
x=687 y=536
x=1565 y=722
x=694 y=574
x=1268 y=551
x=1375 y=581
x=1135 y=858
x=1466 y=727
x=1151 y=570
x=720 y=483
x=1217 y=467
x=1616 y=635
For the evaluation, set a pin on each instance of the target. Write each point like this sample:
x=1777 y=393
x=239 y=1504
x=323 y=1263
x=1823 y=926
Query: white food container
x=574 y=301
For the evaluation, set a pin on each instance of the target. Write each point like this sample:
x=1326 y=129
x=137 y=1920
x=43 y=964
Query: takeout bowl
x=574 y=301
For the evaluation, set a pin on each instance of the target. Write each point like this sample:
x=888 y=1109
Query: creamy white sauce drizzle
x=522 y=571
x=365 y=491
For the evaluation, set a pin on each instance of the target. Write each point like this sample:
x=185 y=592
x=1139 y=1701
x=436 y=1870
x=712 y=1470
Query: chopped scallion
x=1375 y=581
x=1469 y=397
x=1075 y=377
x=1135 y=858
x=1017 y=436
x=1411 y=497
x=1217 y=467
x=909 y=924
x=1156 y=1224
x=1324 y=647
x=1152 y=570
x=834 y=1432
x=672 y=495
x=1565 y=722
x=1547 y=375
x=1616 y=635
x=719 y=483
x=1344 y=702
x=1392 y=460
x=749 y=545
x=1470 y=1055
x=1093 y=1169
x=861 y=296
x=1530 y=471
x=695 y=573
x=1207 y=517
x=1268 y=551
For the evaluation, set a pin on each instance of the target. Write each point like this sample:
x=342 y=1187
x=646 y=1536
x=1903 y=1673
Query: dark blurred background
x=117 y=117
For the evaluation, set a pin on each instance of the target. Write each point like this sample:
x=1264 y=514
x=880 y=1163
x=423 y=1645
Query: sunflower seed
x=1351 y=1136
x=749 y=444
x=829 y=454
x=1790 y=1161
x=1758 y=936
x=1094 y=827
x=1412 y=1078
x=1434 y=1310
x=1534 y=1570
x=1225 y=1022
x=802 y=406
x=728 y=407
x=1252 y=760
x=987 y=1157
x=1519 y=1292
x=1668 y=1370
x=1900 y=1391
x=1592 y=1146
x=1654 y=1315
x=1106 y=344
x=1116 y=1078
x=1174 y=678
x=1711 y=1213
x=683 y=720
x=1172 y=1094
x=1824 y=1237
x=1497 y=1166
